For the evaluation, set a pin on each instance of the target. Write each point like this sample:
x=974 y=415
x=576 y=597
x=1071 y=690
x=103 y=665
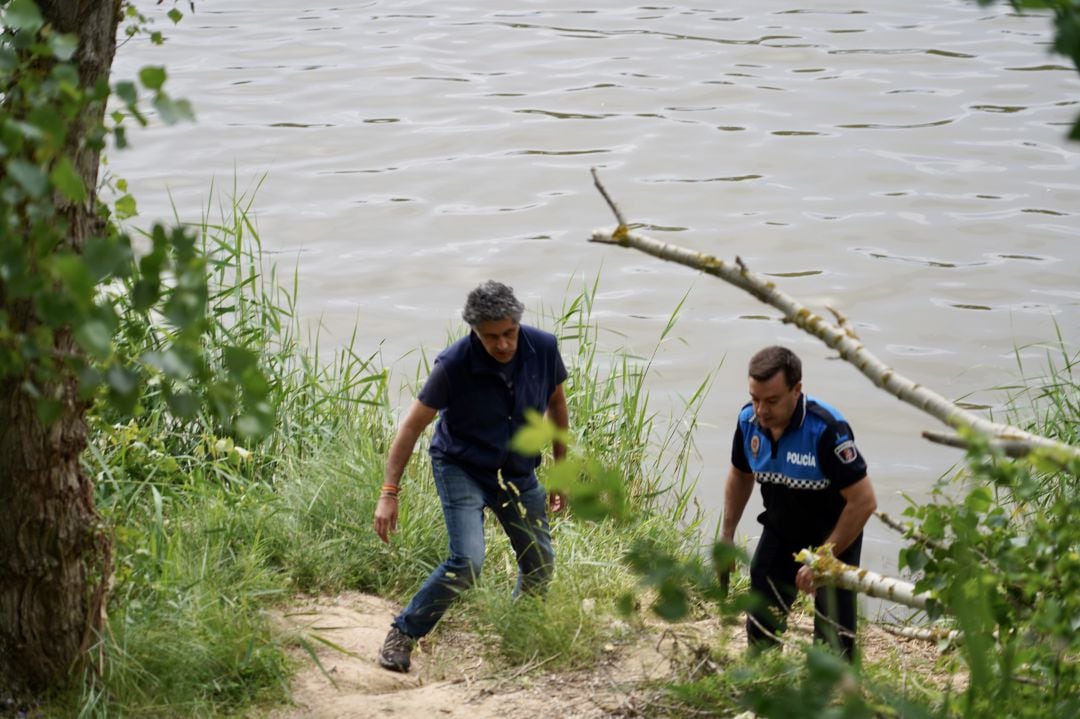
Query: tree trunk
x=55 y=560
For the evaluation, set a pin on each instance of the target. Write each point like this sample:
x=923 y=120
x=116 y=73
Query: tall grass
x=198 y=537
x=211 y=534
x=1002 y=560
x=330 y=498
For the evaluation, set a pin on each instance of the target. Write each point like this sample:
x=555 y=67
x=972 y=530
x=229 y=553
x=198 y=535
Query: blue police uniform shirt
x=482 y=404
x=802 y=473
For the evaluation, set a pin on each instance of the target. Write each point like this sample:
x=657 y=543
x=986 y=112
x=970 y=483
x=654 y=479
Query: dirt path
x=449 y=677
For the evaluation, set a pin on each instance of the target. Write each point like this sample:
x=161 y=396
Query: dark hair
x=769 y=361
x=490 y=302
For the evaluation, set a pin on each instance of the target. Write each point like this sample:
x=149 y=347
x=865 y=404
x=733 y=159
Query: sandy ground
x=450 y=678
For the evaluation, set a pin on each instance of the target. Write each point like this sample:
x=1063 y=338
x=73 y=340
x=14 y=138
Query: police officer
x=815 y=491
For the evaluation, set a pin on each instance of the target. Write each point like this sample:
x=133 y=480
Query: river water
x=904 y=163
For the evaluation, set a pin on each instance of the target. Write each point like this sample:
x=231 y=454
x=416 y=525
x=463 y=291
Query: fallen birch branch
x=841 y=338
x=926 y=634
x=828 y=570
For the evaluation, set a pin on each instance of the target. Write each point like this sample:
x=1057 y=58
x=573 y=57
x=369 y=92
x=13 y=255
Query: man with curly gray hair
x=480 y=387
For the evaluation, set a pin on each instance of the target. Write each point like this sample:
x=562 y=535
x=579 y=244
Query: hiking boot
x=396 y=651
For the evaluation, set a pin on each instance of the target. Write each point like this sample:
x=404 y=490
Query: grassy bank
x=211 y=536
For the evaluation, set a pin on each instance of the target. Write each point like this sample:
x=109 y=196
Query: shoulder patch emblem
x=846 y=452
x=755 y=445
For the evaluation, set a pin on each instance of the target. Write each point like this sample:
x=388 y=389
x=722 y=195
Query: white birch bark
x=830 y=571
x=926 y=634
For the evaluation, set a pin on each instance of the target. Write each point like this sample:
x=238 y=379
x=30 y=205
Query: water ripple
x=733 y=178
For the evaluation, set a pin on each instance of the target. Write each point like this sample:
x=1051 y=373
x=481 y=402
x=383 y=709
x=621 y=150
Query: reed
x=211 y=534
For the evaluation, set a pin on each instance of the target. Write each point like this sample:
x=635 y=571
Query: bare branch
x=842 y=322
x=915 y=534
x=607 y=197
x=849 y=347
x=1015 y=448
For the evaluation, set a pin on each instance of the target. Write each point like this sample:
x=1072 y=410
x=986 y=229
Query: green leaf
x=979 y=500
x=913 y=558
x=125 y=207
x=601 y=496
x=239 y=360
x=89 y=381
x=78 y=285
x=626 y=604
x=63 y=46
x=175 y=15
x=48 y=410
x=563 y=475
x=254 y=384
x=95 y=337
x=144 y=293
x=672 y=604
x=183 y=404
x=152 y=77
x=252 y=426
x=122 y=380
x=49 y=123
x=30 y=177
x=8 y=59
x=65 y=75
x=538 y=433
x=175 y=363
x=68 y=181
x=531 y=440
x=933 y=526
x=724 y=555
x=23 y=15
x=127 y=92
x=173 y=111
x=105 y=256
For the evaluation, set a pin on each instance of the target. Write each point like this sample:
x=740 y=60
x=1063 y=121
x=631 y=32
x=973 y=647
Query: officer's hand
x=556 y=501
x=804 y=580
x=386 y=514
x=725 y=568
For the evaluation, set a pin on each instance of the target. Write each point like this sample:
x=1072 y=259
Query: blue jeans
x=523 y=517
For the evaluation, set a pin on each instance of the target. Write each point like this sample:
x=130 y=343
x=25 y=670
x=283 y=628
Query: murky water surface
x=905 y=164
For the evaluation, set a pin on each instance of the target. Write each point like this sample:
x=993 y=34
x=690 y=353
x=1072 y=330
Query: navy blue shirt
x=802 y=473
x=482 y=403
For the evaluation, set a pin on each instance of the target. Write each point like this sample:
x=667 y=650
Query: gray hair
x=490 y=302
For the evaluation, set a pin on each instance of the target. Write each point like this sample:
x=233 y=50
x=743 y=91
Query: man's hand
x=804 y=580
x=386 y=511
x=556 y=501
x=386 y=514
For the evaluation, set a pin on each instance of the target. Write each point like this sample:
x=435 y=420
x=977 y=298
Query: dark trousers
x=772 y=577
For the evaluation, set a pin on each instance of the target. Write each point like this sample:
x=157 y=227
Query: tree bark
x=56 y=559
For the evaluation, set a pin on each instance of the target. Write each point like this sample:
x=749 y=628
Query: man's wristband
x=389 y=490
